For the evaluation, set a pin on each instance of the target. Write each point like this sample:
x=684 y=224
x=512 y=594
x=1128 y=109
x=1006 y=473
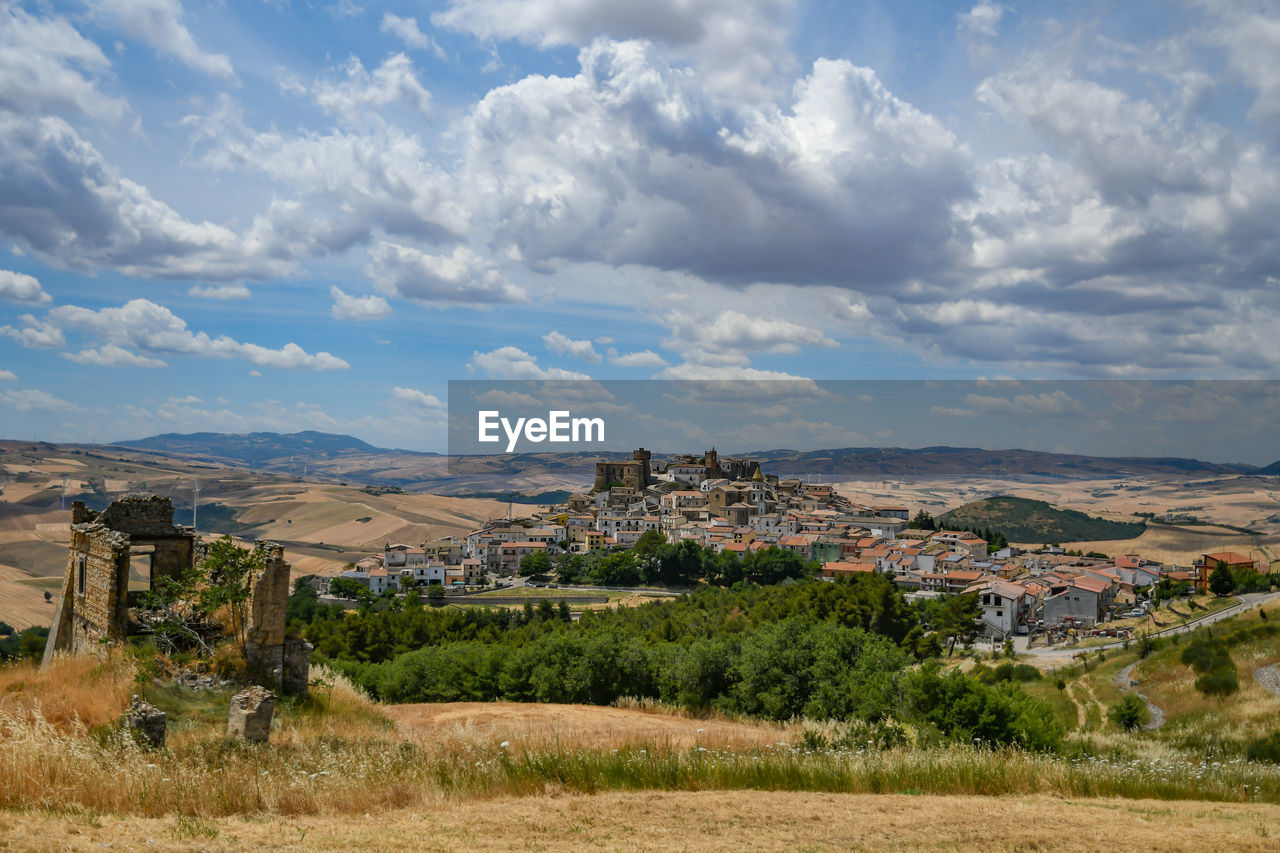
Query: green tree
x=535 y=565
x=228 y=571
x=922 y=520
x=958 y=619
x=1222 y=582
x=1129 y=713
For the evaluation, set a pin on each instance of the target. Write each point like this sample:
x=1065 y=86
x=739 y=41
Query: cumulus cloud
x=357 y=308
x=406 y=29
x=643 y=358
x=562 y=344
x=392 y=82
x=8 y=376
x=629 y=162
x=734 y=333
x=48 y=67
x=417 y=398
x=460 y=278
x=220 y=291
x=736 y=44
x=338 y=187
x=159 y=23
x=514 y=363
x=59 y=196
x=20 y=287
x=143 y=326
x=29 y=399
x=112 y=355
x=36 y=334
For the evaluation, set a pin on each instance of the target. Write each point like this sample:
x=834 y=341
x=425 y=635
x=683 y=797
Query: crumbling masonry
x=93 y=611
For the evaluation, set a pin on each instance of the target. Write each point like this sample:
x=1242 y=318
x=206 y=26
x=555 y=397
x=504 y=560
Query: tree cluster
x=654 y=561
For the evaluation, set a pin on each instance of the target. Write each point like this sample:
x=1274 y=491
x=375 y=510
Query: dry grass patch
x=546 y=726
x=695 y=821
x=71 y=695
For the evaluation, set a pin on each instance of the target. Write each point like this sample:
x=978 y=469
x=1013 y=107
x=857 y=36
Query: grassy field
x=687 y=821
x=344 y=772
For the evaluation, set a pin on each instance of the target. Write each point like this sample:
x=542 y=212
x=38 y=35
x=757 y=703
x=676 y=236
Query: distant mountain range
x=345 y=457
x=258 y=447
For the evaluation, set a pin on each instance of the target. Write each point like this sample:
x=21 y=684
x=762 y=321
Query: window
x=81 y=574
x=999 y=612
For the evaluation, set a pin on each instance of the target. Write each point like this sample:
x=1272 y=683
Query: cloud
x=643 y=358
x=513 y=363
x=737 y=45
x=27 y=400
x=1050 y=403
x=630 y=162
x=982 y=19
x=19 y=287
x=111 y=355
x=460 y=278
x=60 y=197
x=48 y=67
x=357 y=308
x=144 y=326
x=221 y=291
x=337 y=188
x=417 y=398
x=406 y=29
x=732 y=332
x=363 y=92
x=564 y=345
x=8 y=376
x=159 y=24
x=36 y=334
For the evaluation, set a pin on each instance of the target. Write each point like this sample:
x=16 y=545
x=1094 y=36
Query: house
x=422 y=575
x=836 y=569
x=1084 y=601
x=1004 y=605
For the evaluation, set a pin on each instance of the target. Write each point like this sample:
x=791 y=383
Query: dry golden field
x=689 y=821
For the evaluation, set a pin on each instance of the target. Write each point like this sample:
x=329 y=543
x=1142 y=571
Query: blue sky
x=281 y=216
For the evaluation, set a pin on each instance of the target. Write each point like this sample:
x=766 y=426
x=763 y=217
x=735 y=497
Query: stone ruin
x=249 y=718
x=93 y=611
x=146 y=722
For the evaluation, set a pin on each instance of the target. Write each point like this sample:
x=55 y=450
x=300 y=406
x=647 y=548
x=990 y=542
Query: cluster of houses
x=728 y=504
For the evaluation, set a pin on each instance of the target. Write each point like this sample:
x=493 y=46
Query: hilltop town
x=731 y=508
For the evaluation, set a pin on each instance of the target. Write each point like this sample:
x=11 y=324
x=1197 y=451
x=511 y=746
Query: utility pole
x=195 y=503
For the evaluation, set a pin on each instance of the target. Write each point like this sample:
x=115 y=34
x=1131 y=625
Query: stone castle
x=94 y=608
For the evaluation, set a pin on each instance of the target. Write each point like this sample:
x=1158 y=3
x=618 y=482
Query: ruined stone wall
x=94 y=607
x=283 y=661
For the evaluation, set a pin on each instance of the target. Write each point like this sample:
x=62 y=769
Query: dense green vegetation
x=1026 y=520
x=654 y=561
x=27 y=644
x=805 y=649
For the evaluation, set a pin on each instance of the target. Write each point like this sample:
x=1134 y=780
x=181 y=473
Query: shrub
x=1265 y=749
x=1129 y=713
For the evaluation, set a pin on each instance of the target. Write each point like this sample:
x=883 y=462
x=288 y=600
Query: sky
x=256 y=215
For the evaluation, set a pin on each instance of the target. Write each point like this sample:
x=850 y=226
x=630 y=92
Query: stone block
x=145 y=722
x=250 y=715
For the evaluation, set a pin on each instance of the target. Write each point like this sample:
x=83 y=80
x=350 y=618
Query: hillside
x=348 y=459
x=1032 y=521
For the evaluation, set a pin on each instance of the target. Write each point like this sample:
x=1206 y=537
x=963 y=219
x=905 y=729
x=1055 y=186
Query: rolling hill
x=345 y=458
x=1031 y=521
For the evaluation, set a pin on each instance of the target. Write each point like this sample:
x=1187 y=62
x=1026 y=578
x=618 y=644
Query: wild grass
x=71 y=694
x=303 y=771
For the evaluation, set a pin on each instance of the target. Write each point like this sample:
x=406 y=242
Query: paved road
x=1064 y=655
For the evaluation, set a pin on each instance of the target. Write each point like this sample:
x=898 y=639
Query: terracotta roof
x=1092 y=584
